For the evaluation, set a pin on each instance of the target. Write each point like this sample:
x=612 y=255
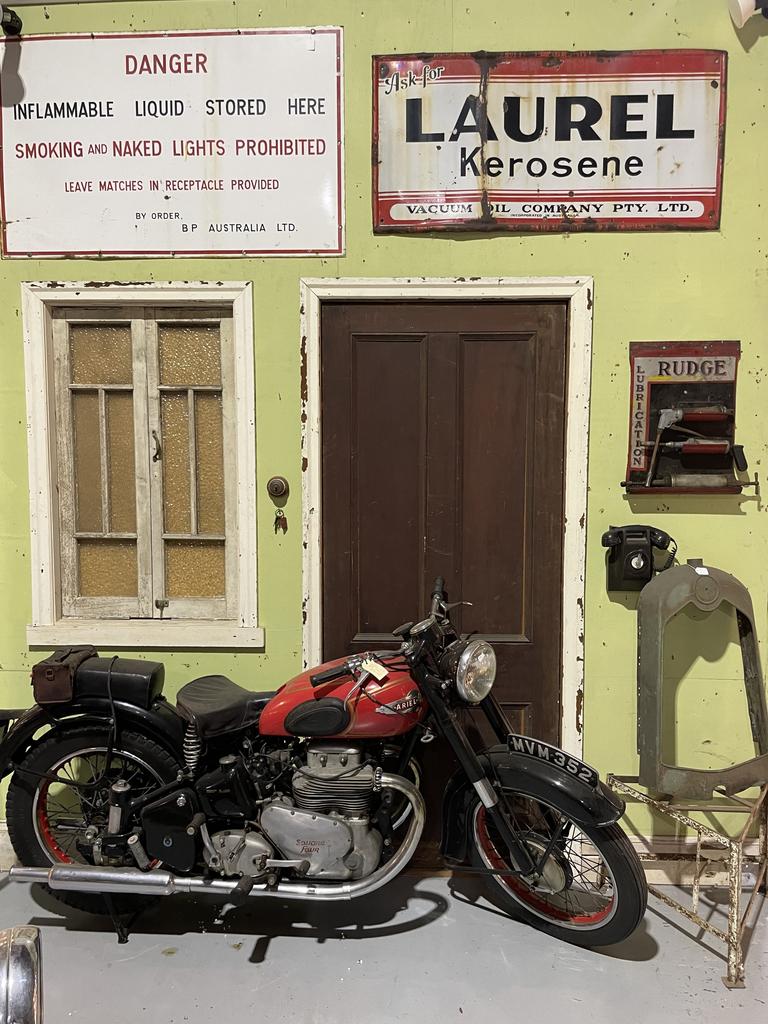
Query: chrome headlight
x=476 y=671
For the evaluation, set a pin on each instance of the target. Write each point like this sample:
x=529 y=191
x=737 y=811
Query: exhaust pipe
x=94 y=878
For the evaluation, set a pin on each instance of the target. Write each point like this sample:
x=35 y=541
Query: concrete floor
x=425 y=949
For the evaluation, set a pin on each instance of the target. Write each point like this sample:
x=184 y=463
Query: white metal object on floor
x=733 y=854
x=21 y=987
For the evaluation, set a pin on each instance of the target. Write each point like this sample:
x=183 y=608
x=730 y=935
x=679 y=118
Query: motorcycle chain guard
x=165 y=823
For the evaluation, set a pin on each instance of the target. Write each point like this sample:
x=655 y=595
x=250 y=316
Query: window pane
x=189 y=354
x=194 y=568
x=176 y=500
x=121 y=464
x=210 y=463
x=107 y=568
x=101 y=354
x=85 y=421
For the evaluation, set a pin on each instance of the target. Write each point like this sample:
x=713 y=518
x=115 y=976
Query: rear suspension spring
x=193 y=747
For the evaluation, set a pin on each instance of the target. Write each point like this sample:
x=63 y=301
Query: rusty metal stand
x=733 y=853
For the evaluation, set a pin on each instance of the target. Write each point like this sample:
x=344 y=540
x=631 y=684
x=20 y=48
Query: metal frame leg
x=756 y=812
x=735 y=976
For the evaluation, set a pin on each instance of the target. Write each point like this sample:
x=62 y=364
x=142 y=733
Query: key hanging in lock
x=281 y=523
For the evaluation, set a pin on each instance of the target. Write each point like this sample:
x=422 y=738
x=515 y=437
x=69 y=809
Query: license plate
x=554 y=756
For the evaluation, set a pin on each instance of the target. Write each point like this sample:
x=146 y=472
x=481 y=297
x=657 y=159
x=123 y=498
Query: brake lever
x=456 y=604
x=361 y=682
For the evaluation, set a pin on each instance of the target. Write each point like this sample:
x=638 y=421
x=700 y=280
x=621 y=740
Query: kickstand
x=122 y=930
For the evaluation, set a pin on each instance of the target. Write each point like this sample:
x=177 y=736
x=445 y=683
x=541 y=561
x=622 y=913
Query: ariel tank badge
x=402 y=705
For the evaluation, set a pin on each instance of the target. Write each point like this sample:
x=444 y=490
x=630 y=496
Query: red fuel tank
x=388 y=708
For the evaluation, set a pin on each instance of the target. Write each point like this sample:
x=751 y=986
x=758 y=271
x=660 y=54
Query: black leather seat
x=216 y=705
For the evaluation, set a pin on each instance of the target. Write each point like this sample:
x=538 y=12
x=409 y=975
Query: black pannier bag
x=53 y=679
x=132 y=680
x=75 y=673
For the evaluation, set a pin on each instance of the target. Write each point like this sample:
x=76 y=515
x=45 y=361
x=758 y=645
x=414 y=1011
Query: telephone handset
x=630 y=563
x=615 y=536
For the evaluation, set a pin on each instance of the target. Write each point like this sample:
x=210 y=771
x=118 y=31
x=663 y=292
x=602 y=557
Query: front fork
x=431 y=688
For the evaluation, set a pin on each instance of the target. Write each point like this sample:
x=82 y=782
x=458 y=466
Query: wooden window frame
x=49 y=625
x=63 y=437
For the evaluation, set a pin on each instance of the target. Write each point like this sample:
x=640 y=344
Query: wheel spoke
x=80 y=798
x=587 y=896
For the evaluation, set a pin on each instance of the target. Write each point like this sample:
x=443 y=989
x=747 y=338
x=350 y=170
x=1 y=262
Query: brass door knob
x=277 y=487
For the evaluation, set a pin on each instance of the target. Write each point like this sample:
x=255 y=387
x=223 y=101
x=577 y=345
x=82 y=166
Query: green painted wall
x=647 y=286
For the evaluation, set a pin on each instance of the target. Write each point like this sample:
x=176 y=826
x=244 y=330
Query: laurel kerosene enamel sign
x=559 y=141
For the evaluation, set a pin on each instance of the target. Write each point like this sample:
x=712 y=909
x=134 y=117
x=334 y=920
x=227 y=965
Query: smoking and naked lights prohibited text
x=201 y=143
x=559 y=141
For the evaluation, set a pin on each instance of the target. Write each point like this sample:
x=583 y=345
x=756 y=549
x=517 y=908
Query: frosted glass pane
x=121 y=462
x=101 y=354
x=107 y=568
x=210 y=463
x=85 y=422
x=194 y=568
x=176 y=500
x=189 y=354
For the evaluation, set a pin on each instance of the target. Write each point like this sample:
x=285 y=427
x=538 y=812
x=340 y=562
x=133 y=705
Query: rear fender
x=7 y=717
x=587 y=806
x=160 y=723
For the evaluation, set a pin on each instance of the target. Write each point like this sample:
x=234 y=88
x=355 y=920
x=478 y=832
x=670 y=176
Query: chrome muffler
x=99 y=879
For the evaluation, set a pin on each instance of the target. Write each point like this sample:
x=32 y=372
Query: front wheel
x=591 y=890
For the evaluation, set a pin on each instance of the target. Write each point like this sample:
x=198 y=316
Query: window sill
x=194 y=634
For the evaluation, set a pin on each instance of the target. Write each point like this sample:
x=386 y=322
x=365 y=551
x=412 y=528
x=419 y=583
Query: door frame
x=578 y=292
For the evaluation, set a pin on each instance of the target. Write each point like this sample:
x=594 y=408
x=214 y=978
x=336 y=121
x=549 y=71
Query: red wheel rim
x=44 y=826
x=529 y=897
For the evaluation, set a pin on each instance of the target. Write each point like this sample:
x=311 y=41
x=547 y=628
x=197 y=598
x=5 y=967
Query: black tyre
x=592 y=891
x=47 y=820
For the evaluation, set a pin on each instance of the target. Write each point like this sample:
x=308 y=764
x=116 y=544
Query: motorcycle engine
x=327 y=820
x=238 y=852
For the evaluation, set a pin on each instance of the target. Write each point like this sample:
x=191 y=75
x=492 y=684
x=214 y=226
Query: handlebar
x=329 y=675
x=438 y=593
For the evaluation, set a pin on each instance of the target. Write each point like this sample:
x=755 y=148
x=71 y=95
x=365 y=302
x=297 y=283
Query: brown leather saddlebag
x=53 y=679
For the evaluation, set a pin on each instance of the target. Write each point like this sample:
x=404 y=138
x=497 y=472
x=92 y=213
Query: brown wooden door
x=443 y=431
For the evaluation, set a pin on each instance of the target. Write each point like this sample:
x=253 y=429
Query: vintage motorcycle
x=310 y=792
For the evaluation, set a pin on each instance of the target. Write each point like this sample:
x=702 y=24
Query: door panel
x=495 y=500
x=442 y=439
x=388 y=388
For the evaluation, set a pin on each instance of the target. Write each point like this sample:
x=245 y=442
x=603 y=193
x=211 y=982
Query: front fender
x=587 y=806
x=160 y=722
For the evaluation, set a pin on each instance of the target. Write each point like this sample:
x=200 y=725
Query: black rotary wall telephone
x=630 y=563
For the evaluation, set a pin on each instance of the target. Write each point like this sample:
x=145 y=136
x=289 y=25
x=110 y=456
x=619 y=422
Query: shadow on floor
x=640 y=946
x=378 y=915
x=713 y=908
x=374 y=916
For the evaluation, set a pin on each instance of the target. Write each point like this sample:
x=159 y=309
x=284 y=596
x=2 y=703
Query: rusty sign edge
x=550 y=58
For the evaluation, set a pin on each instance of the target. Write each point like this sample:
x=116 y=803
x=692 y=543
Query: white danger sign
x=176 y=143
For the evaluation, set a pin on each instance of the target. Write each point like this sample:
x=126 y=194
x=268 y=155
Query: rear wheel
x=592 y=889
x=52 y=821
